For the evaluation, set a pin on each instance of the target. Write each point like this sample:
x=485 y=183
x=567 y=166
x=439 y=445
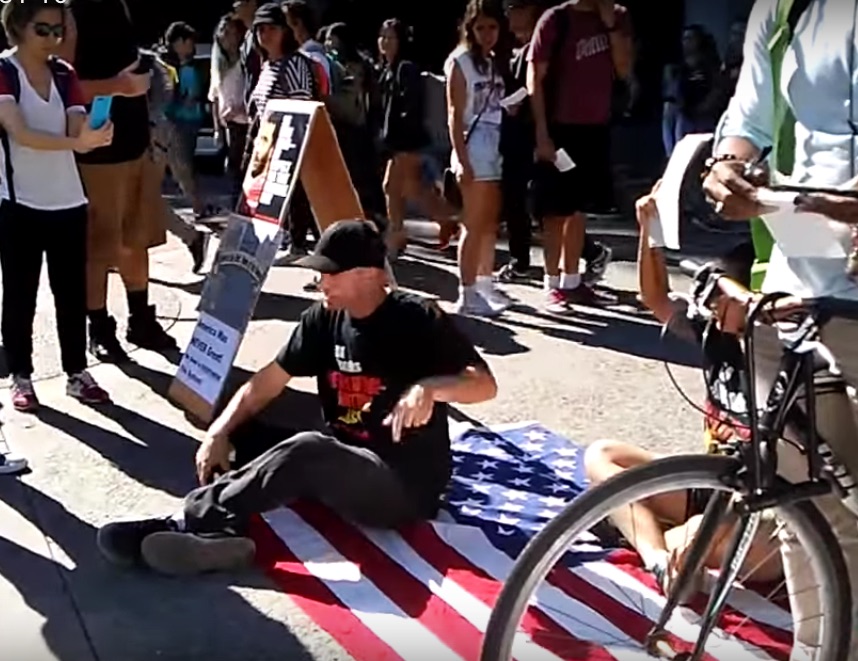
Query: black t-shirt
x=107 y=44
x=723 y=369
x=364 y=366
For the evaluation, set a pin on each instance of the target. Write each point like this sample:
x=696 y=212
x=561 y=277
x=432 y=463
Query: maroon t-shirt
x=585 y=68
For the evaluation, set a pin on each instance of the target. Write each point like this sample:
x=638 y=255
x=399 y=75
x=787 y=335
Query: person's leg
x=107 y=186
x=352 y=481
x=425 y=196
x=837 y=425
x=236 y=138
x=395 y=196
x=181 y=158
x=301 y=219
x=514 y=188
x=479 y=200
x=144 y=215
x=21 y=245
x=642 y=524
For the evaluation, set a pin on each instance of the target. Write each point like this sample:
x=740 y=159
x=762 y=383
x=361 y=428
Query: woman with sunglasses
x=42 y=113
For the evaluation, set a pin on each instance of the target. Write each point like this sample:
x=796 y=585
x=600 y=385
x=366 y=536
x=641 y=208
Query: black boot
x=145 y=332
x=102 y=340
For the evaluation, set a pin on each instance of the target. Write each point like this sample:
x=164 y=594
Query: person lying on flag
x=387 y=365
x=662 y=529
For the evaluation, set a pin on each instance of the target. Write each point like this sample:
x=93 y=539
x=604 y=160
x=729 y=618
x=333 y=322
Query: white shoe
x=472 y=303
x=12 y=463
x=496 y=298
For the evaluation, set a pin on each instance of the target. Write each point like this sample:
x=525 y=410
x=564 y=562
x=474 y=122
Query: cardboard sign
x=295 y=141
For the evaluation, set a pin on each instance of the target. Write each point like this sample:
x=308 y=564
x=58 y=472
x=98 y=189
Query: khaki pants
x=837 y=422
x=126 y=209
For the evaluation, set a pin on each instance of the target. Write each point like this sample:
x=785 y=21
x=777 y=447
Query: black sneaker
x=182 y=553
x=596 y=268
x=145 y=332
x=121 y=543
x=103 y=343
x=198 y=249
x=509 y=273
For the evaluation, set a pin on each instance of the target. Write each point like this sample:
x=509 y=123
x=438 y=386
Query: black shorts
x=586 y=188
x=698 y=499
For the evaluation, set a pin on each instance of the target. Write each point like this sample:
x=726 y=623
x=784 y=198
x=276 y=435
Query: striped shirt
x=287 y=78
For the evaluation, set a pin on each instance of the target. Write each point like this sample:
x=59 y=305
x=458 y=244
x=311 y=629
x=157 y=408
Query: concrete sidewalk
x=135 y=458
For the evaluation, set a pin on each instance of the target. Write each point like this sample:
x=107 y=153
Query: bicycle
x=744 y=483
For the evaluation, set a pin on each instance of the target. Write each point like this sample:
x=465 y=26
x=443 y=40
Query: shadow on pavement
x=489 y=335
x=131 y=615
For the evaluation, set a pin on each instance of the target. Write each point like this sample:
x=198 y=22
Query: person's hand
x=414 y=409
x=645 y=208
x=732 y=305
x=134 y=84
x=835 y=207
x=734 y=195
x=212 y=457
x=90 y=138
x=545 y=149
x=466 y=176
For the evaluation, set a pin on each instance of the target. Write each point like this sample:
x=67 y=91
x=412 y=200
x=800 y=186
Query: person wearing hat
x=387 y=366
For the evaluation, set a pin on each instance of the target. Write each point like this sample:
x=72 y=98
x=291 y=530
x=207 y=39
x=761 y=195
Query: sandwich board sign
x=295 y=141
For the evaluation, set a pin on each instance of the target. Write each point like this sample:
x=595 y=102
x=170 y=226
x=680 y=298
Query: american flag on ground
x=426 y=592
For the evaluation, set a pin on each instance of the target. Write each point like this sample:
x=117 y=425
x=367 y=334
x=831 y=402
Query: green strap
x=783 y=143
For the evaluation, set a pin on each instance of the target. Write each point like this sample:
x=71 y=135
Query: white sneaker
x=496 y=298
x=12 y=463
x=472 y=303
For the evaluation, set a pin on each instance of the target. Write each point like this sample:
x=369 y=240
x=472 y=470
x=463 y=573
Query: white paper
x=801 y=234
x=208 y=359
x=562 y=161
x=667 y=198
x=514 y=99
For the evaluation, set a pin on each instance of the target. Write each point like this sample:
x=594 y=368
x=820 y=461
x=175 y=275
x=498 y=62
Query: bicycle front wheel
x=505 y=635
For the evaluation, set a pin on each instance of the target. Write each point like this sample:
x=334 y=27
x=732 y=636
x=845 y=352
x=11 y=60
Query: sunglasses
x=48 y=30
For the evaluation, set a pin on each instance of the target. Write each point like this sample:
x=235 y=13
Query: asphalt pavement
x=596 y=374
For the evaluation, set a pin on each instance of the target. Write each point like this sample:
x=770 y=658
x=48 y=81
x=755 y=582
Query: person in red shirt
x=578 y=50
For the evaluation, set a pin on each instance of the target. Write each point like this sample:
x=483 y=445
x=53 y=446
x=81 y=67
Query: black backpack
x=62 y=72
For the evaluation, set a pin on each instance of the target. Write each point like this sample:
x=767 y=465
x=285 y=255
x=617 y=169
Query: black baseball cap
x=347 y=245
x=269 y=14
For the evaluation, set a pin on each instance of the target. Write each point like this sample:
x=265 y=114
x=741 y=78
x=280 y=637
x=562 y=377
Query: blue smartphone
x=100 y=113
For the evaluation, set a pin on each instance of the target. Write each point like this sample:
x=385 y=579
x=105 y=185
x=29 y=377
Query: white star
x=531 y=447
x=565 y=463
x=508 y=520
x=567 y=452
x=520 y=482
x=482 y=477
x=565 y=475
x=536 y=435
x=505 y=533
x=469 y=502
x=515 y=495
x=460 y=446
x=494 y=451
x=485 y=464
x=482 y=488
x=548 y=514
x=458 y=459
x=524 y=470
x=511 y=507
x=557 y=488
x=471 y=511
x=553 y=501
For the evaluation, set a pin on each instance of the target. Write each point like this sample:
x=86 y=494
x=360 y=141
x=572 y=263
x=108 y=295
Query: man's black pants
x=352 y=481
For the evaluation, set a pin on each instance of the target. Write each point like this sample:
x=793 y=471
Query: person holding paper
x=387 y=366
x=578 y=45
x=817 y=82
x=475 y=86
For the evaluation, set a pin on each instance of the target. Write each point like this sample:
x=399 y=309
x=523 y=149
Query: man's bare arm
x=472 y=386
x=250 y=399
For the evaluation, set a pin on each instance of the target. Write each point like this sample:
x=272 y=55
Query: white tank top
x=485 y=89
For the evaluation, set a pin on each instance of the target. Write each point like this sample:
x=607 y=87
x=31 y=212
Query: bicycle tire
x=679 y=472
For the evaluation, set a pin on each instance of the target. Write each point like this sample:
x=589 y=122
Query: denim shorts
x=484 y=153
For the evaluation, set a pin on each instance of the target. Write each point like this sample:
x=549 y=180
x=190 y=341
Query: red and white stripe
x=426 y=593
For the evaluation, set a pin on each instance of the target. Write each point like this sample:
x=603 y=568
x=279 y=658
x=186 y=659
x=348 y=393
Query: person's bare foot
x=448 y=232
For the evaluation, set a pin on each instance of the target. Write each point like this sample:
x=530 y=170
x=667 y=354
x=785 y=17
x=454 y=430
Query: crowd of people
x=515 y=118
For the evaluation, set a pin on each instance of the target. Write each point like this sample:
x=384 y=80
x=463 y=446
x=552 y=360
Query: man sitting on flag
x=662 y=529
x=387 y=365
